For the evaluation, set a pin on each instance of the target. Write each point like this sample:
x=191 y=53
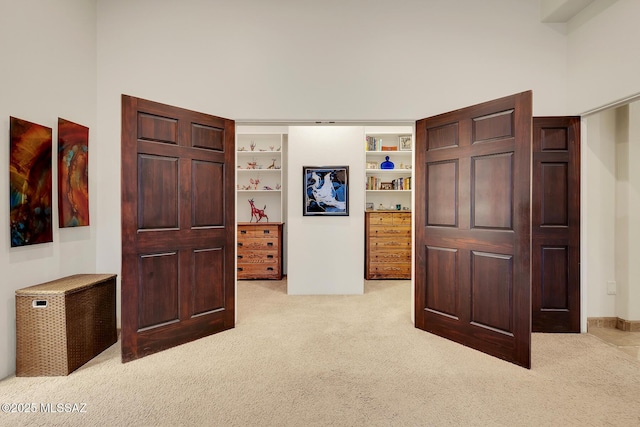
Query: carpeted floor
x=341 y=361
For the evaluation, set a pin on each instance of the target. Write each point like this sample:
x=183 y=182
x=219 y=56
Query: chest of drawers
x=259 y=250
x=387 y=245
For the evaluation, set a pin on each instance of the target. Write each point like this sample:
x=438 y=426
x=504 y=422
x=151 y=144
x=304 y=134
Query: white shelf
x=258 y=170
x=389 y=171
x=257 y=152
x=258 y=191
x=388 y=152
x=389 y=191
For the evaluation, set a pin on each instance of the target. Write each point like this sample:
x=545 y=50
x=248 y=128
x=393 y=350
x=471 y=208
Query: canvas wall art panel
x=73 y=174
x=326 y=190
x=30 y=183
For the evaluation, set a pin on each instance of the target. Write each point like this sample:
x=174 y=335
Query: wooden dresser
x=260 y=250
x=387 y=245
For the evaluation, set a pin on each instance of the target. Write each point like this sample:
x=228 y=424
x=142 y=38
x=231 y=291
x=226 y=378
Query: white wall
x=603 y=54
x=326 y=254
x=627 y=217
x=598 y=226
x=48 y=71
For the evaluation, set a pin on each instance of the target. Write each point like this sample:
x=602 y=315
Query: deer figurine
x=256 y=213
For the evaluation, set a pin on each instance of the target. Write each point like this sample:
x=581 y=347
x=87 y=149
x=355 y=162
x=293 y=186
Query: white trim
x=618 y=103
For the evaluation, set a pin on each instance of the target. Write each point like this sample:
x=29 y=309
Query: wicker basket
x=61 y=325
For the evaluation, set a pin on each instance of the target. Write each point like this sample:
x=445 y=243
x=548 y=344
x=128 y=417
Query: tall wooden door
x=177 y=226
x=556 y=225
x=473 y=238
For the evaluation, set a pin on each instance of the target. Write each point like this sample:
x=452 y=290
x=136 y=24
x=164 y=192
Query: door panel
x=178 y=229
x=473 y=236
x=556 y=224
x=158 y=289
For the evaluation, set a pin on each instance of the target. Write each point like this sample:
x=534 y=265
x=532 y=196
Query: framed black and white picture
x=404 y=142
x=325 y=190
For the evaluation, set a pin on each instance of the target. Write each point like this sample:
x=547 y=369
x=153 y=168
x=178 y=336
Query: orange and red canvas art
x=30 y=183
x=73 y=174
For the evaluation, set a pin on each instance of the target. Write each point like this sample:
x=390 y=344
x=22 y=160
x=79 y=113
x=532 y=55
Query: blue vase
x=386 y=164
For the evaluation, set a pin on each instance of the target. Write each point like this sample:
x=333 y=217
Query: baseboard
x=613 y=322
x=602 y=322
x=628 y=325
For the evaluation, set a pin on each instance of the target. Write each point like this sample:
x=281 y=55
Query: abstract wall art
x=30 y=183
x=326 y=190
x=73 y=174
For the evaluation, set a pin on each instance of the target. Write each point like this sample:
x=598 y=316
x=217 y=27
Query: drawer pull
x=243 y=231
x=266 y=231
x=269 y=268
x=239 y=244
x=240 y=269
x=270 y=256
x=240 y=257
x=269 y=243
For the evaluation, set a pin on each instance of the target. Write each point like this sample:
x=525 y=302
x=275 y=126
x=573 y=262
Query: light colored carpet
x=340 y=361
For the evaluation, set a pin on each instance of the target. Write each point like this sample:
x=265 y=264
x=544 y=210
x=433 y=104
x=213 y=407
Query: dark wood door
x=473 y=239
x=178 y=225
x=556 y=225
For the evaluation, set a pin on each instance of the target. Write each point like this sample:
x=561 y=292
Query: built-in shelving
x=260 y=173
x=388 y=188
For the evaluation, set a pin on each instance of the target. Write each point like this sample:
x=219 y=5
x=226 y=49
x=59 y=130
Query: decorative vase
x=387 y=164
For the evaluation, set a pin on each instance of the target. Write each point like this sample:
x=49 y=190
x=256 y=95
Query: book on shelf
x=404 y=183
x=371 y=144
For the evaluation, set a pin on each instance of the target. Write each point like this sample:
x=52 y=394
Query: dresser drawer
x=259 y=271
x=390 y=271
x=256 y=257
x=380 y=218
x=389 y=242
x=390 y=256
x=258 y=231
x=401 y=218
x=253 y=243
x=386 y=231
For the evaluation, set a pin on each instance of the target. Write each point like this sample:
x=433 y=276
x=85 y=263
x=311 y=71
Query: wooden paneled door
x=556 y=225
x=178 y=226
x=473 y=227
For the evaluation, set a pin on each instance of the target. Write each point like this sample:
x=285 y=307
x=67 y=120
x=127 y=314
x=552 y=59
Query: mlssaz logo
x=63 y=407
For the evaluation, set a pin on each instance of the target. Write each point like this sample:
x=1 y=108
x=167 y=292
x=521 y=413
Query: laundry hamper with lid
x=62 y=324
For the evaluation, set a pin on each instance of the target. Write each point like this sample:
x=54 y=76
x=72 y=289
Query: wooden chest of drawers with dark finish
x=387 y=245
x=259 y=250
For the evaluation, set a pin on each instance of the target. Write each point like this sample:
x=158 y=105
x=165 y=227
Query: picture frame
x=386 y=185
x=372 y=165
x=369 y=206
x=325 y=190
x=405 y=143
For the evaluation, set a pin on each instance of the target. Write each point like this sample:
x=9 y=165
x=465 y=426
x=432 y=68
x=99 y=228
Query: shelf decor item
x=404 y=142
x=256 y=213
x=387 y=164
x=372 y=165
x=386 y=185
x=325 y=190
